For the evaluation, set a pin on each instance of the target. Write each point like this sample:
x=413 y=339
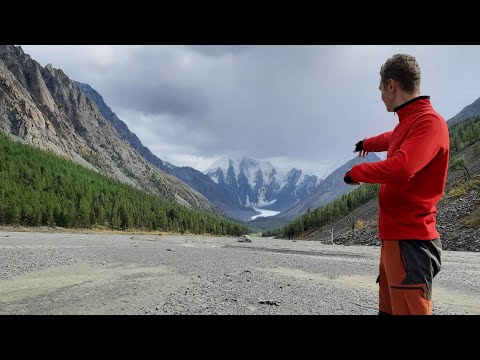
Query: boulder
x=244 y=238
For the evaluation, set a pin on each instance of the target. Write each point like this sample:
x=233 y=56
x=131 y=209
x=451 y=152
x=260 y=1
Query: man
x=412 y=182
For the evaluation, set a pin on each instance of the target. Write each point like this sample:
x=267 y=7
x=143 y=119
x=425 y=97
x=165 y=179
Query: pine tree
x=84 y=212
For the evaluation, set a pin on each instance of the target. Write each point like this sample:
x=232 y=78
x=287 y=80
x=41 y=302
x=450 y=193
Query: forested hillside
x=39 y=188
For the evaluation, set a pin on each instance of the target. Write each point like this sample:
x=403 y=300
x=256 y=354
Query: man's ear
x=391 y=85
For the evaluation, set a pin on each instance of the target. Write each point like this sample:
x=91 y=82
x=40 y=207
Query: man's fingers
x=361 y=153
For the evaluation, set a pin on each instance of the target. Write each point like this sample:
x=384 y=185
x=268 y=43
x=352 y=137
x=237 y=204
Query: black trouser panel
x=422 y=261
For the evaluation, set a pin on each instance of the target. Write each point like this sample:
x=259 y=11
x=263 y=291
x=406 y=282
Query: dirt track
x=62 y=273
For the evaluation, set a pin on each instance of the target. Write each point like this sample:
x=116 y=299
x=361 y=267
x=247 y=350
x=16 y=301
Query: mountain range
x=259 y=184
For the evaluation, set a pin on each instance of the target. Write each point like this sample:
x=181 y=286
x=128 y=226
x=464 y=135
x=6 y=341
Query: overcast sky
x=295 y=106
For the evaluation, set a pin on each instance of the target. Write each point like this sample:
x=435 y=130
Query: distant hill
x=471 y=110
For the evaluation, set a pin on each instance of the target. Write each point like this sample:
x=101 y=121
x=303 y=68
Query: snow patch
x=264 y=213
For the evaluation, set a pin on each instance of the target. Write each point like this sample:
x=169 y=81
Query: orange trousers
x=407 y=268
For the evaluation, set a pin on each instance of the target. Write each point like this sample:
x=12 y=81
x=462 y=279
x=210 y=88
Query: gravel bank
x=61 y=273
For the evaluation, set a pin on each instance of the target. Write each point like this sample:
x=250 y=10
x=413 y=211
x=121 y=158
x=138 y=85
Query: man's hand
x=359 y=148
x=348 y=179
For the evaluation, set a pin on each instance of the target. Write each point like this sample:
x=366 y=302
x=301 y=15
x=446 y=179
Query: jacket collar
x=412 y=106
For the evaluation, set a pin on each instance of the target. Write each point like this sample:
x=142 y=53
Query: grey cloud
x=160 y=99
x=299 y=102
x=219 y=50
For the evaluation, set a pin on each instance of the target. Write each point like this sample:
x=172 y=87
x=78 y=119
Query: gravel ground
x=62 y=273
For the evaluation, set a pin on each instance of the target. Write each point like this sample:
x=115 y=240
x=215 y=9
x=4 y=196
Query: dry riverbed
x=74 y=273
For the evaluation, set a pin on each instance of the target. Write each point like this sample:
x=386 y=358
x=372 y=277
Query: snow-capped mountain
x=259 y=184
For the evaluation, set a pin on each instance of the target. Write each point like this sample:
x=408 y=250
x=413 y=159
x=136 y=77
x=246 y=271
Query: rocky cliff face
x=43 y=107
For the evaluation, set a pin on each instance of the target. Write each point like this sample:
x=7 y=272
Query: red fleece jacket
x=413 y=176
